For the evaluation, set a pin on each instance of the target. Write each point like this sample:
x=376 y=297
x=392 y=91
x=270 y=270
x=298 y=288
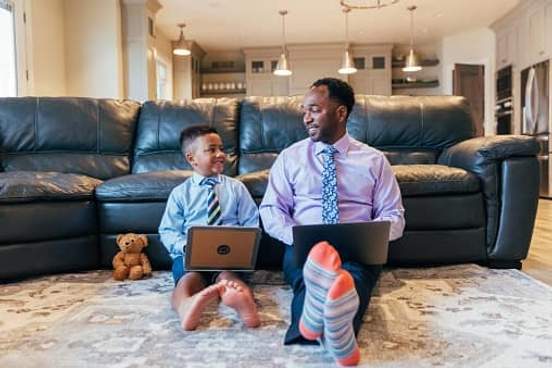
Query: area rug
x=458 y=316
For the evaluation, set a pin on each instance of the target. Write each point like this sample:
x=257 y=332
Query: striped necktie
x=213 y=204
x=330 y=210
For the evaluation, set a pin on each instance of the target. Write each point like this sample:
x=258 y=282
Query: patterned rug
x=459 y=316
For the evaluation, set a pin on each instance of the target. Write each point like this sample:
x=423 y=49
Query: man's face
x=206 y=155
x=324 y=119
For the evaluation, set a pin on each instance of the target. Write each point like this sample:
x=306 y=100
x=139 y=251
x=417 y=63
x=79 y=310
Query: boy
x=207 y=198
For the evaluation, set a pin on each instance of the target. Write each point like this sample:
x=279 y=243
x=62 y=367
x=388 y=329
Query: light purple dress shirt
x=366 y=185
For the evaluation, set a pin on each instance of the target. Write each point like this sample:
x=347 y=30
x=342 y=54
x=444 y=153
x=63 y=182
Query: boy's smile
x=207 y=155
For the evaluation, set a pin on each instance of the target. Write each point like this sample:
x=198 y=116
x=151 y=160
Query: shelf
x=426 y=62
x=415 y=85
x=222 y=71
x=223 y=92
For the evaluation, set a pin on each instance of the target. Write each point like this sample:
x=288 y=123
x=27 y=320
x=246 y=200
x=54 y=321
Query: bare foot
x=190 y=310
x=234 y=296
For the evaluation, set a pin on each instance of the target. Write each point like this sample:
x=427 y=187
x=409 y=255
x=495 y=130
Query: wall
x=46 y=48
x=476 y=46
x=93 y=48
x=163 y=52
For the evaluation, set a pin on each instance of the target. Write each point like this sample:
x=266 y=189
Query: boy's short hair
x=339 y=91
x=190 y=134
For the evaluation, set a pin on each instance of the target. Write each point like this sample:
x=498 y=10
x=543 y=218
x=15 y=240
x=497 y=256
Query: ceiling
x=235 y=24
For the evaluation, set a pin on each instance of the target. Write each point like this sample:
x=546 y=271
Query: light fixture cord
x=347 y=28
x=284 y=32
x=412 y=28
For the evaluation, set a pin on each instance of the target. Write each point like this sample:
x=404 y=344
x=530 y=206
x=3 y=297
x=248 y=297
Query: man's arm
x=172 y=231
x=387 y=204
x=277 y=204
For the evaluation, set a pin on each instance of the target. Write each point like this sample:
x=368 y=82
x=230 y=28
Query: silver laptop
x=217 y=248
x=363 y=242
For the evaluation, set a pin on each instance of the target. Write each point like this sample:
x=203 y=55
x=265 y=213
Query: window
x=162 y=81
x=8 y=72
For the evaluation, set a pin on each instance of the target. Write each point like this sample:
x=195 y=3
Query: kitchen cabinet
x=506 y=46
x=311 y=62
x=260 y=80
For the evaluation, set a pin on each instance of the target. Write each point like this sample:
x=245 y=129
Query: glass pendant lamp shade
x=182 y=48
x=347 y=64
x=412 y=63
x=283 y=68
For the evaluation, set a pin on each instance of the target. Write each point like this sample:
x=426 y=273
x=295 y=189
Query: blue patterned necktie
x=330 y=211
x=213 y=204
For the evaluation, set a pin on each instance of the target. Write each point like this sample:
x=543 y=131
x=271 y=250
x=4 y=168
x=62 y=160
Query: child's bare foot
x=234 y=296
x=191 y=309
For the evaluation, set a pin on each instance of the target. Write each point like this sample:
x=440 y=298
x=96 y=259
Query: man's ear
x=341 y=113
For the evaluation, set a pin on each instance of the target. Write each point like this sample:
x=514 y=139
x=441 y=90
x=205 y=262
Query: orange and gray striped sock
x=319 y=273
x=339 y=310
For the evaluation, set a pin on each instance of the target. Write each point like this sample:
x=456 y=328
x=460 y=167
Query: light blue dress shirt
x=187 y=206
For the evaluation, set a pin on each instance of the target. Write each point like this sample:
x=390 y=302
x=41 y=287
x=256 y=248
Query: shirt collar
x=197 y=178
x=342 y=144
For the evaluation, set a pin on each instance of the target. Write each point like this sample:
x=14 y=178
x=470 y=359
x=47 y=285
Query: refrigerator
x=535 y=103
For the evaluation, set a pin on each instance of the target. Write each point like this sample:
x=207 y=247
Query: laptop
x=363 y=242
x=218 y=248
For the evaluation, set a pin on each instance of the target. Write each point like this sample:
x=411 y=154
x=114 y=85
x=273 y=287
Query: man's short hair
x=339 y=91
x=190 y=134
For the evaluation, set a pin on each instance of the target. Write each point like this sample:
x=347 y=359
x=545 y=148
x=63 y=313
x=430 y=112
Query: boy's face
x=206 y=155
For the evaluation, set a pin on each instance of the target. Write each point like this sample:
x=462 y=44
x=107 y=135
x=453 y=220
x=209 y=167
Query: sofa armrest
x=473 y=153
x=509 y=174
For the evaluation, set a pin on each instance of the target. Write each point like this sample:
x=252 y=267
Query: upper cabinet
x=524 y=36
x=311 y=62
x=506 y=46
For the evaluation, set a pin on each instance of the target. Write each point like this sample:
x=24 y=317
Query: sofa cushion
x=418 y=180
x=255 y=182
x=143 y=187
x=161 y=122
x=29 y=186
x=434 y=122
x=85 y=136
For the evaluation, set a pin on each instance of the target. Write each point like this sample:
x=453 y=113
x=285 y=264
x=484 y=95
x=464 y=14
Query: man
x=329 y=178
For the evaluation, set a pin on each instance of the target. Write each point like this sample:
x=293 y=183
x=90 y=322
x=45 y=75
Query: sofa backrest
x=410 y=130
x=74 y=135
x=157 y=146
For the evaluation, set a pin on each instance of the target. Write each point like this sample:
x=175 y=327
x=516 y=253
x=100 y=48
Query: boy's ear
x=189 y=157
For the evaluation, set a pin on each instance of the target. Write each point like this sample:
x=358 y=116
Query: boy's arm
x=277 y=204
x=248 y=213
x=172 y=231
x=387 y=202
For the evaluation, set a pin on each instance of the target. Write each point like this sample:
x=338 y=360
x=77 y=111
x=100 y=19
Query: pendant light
x=283 y=69
x=182 y=48
x=347 y=64
x=412 y=63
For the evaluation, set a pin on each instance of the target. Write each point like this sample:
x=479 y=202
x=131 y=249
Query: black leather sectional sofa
x=75 y=172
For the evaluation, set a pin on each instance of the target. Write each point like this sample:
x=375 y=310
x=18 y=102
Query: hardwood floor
x=539 y=262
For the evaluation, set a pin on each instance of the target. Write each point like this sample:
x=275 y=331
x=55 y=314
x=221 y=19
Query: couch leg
x=503 y=264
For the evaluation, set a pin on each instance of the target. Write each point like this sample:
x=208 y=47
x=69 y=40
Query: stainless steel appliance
x=504 y=103
x=535 y=102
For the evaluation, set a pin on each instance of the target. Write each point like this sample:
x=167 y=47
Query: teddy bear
x=130 y=261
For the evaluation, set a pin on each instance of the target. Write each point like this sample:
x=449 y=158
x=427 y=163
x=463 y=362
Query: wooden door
x=469 y=81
